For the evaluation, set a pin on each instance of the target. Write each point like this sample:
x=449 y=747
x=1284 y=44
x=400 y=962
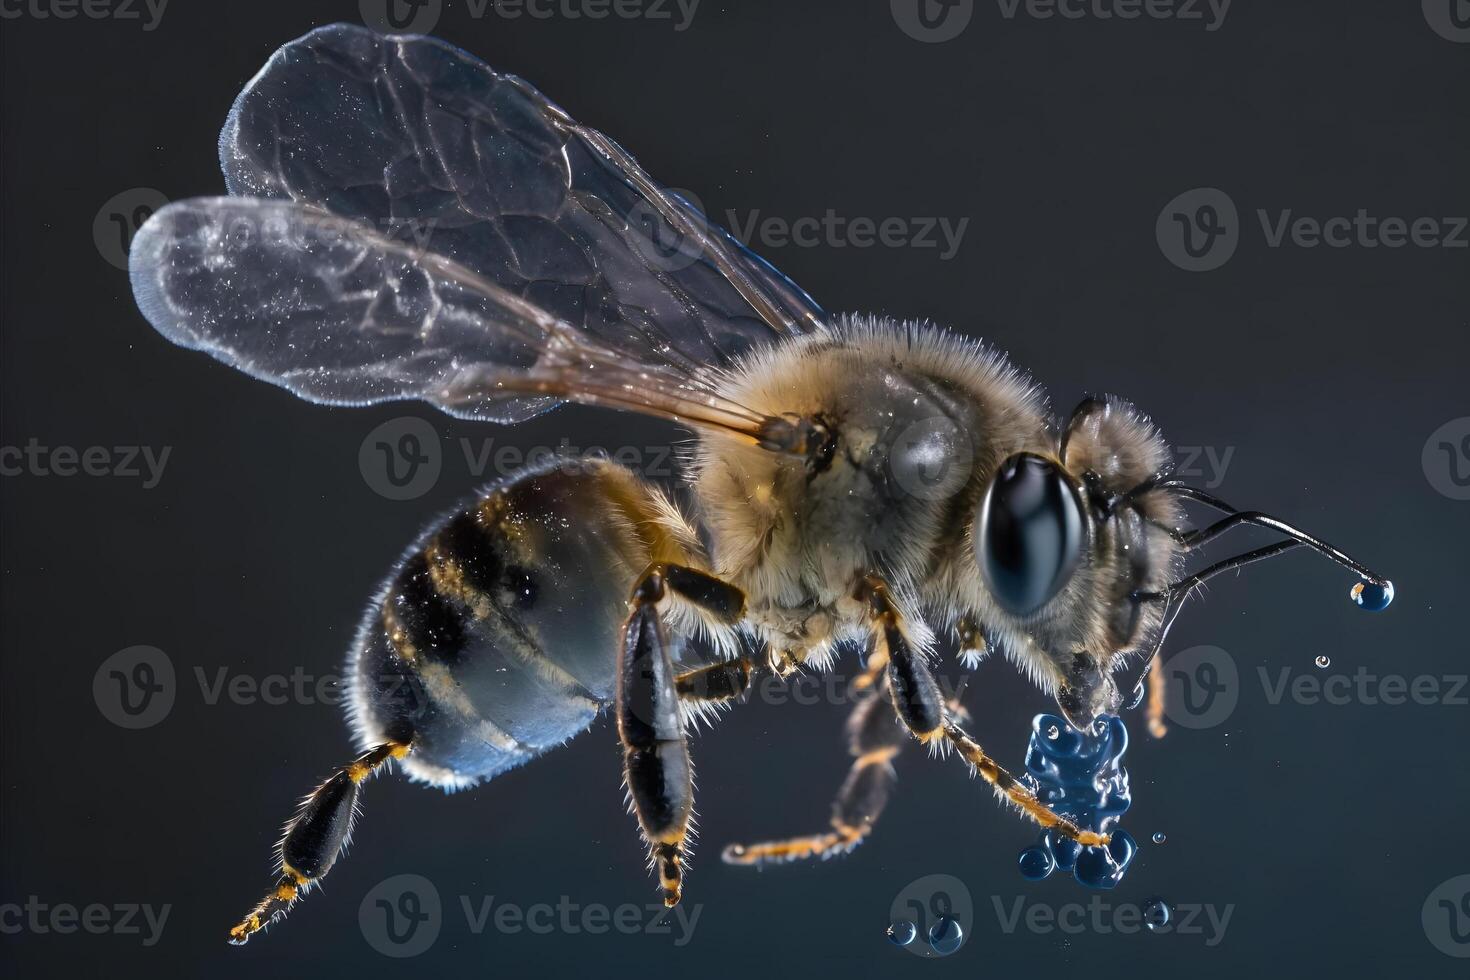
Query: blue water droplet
x=1065 y=850
x=1036 y=863
x=1156 y=913
x=1159 y=837
x=1122 y=848
x=1374 y=598
x=945 y=935
x=902 y=933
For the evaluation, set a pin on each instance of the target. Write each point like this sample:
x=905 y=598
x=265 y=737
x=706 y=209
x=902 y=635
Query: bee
x=404 y=222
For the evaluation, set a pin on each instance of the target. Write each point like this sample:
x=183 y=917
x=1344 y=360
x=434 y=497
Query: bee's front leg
x=921 y=707
x=656 y=763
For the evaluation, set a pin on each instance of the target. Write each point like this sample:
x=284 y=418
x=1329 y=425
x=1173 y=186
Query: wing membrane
x=396 y=132
x=341 y=313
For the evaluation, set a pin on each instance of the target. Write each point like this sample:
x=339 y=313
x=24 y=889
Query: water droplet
x=1374 y=598
x=1036 y=863
x=1156 y=914
x=945 y=935
x=902 y=933
x=1137 y=698
x=1159 y=837
x=1323 y=661
x=1053 y=732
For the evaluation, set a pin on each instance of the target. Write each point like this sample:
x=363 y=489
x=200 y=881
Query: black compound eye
x=1030 y=534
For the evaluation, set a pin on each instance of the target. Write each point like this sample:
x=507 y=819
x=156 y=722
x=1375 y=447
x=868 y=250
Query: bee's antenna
x=1234 y=518
x=1374 y=593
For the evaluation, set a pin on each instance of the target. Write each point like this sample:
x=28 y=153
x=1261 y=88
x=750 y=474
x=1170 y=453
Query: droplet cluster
x=1081 y=775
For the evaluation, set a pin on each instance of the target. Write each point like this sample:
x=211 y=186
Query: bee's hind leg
x=874 y=738
x=656 y=764
x=315 y=837
x=922 y=709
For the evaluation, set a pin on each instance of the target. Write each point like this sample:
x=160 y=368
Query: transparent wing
x=410 y=136
x=339 y=312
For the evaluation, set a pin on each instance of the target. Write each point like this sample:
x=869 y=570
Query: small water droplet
x=1036 y=863
x=1159 y=837
x=902 y=933
x=1156 y=914
x=945 y=935
x=1374 y=598
x=1323 y=661
x=1053 y=732
x=1137 y=698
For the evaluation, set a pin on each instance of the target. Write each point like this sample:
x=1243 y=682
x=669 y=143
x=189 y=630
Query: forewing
x=409 y=135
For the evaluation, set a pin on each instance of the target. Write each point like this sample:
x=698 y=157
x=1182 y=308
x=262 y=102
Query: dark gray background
x=1324 y=369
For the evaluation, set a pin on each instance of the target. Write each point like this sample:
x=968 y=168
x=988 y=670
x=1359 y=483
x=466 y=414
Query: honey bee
x=405 y=222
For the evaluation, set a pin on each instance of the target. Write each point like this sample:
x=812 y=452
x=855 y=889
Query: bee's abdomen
x=496 y=637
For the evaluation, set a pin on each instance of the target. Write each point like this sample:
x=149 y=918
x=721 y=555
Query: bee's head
x=1077 y=552
x=1060 y=558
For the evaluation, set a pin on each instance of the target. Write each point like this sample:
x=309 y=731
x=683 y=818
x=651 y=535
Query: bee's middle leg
x=922 y=709
x=874 y=738
x=656 y=763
